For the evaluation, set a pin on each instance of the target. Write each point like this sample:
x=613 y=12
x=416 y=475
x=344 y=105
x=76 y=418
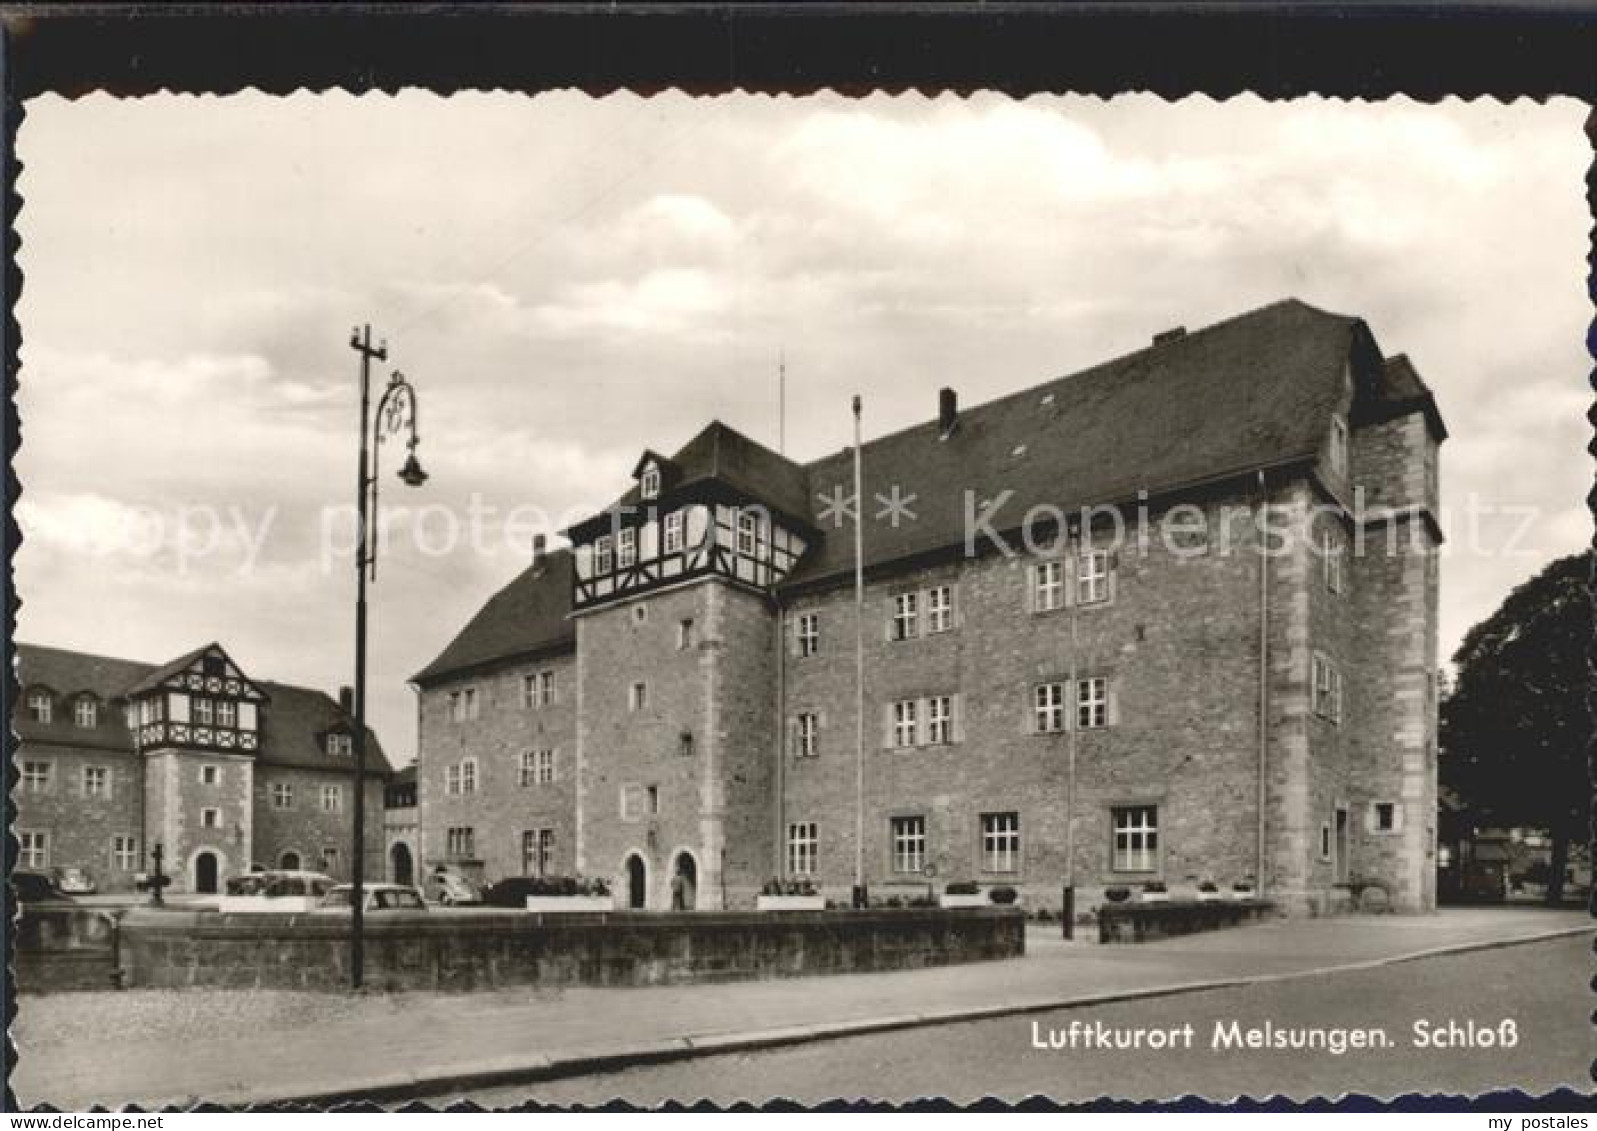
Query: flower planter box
x=790 y=903
x=977 y=900
x=566 y=904
x=266 y=904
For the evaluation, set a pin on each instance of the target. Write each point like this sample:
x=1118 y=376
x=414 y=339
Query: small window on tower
x=651 y=482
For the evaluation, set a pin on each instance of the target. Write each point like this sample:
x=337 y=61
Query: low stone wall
x=64 y=948
x=1139 y=922
x=424 y=951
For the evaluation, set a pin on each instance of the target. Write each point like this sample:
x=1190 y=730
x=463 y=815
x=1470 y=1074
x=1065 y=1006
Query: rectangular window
x=35 y=849
x=906 y=616
x=210 y=775
x=649 y=485
x=909 y=843
x=210 y=818
x=545 y=767
x=603 y=559
x=330 y=860
x=809 y=735
x=638 y=697
x=1048 y=586
x=529 y=691
x=904 y=720
x=463 y=704
x=809 y=634
x=452 y=780
x=36 y=777
x=1331 y=550
x=1325 y=842
x=203 y=711
x=684 y=633
x=85 y=713
x=39 y=706
x=96 y=781
x=461 y=843
x=1092 y=577
x=631 y=801
x=1000 y=842
x=1385 y=816
x=226 y=713
x=1092 y=703
x=527 y=768
x=340 y=745
x=748 y=532
x=468 y=775
x=124 y=853
x=537 y=851
x=546 y=689
x=939 y=608
x=654 y=800
x=673 y=532
x=1327 y=689
x=627 y=548
x=332 y=799
x=1136 y=838
x=803 y=845
x=940 y=720
x=1048 y=706
x=282 y=795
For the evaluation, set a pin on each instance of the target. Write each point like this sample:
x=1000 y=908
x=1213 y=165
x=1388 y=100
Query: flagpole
x=859 y=667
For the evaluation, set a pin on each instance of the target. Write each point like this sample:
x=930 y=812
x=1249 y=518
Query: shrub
x=514 y=890
x=1003 y=896
x=1043 y=915
x=962 y=887
x=1242 y=885
x=1154 y=886
x=1208 y=885
x=1117 y=894
x=791 y=887
x=923 y=901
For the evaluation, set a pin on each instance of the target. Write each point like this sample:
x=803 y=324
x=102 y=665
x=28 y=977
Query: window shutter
x=1112 y=701
x=792 y=736
x=956 y=608
x=923 y=721
x=887 y=621
x=1028 y=709
x=1069 y=578
x=1369 y=817
x=1397 y=816
x=956 y=706
x=793 y=634
x=1031 y=588
x=887 y=726
x=1112 y=576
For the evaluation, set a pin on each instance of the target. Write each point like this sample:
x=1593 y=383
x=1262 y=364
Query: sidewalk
x=156 y=1048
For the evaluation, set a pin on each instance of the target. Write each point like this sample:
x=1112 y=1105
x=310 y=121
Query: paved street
x=1541 y=987
x=165 y=1046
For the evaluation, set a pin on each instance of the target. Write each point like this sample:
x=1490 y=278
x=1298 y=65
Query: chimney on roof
x=1168 y=336
x=346 y=700
x=947 y=411
x=538 y=545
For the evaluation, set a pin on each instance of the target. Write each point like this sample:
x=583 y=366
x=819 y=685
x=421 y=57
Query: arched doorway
x=399 y=864
x=685 y=883
x=205 y=873
x=289 y=862
x=637 y=882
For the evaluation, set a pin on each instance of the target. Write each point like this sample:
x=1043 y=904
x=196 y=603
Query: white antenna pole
x=859 y=662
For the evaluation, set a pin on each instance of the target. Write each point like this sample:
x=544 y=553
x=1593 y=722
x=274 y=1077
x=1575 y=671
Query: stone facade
x=207 y=788
x=1247 y=692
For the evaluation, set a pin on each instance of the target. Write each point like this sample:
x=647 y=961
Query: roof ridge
x=1118 y=359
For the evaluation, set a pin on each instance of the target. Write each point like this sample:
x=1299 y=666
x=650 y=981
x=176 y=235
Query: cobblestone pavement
x=151 y=1047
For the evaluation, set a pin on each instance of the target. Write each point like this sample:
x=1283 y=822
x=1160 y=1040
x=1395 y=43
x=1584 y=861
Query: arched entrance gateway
x=400 y=868
x=205 y=873
x=637 y=883
x=685 y=883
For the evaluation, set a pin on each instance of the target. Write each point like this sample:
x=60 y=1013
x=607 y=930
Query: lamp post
x=395 y=413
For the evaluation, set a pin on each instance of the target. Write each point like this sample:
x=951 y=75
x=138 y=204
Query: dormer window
x=1338 y=453
x=340 y=745
x=86 y=713
x=39 y=706
x=649 y=483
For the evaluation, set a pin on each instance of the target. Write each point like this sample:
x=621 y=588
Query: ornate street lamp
x=395 y=413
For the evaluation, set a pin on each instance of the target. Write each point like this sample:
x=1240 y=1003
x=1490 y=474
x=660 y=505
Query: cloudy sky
x=568 y=281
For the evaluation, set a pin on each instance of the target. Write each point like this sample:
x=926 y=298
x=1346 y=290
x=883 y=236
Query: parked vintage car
x=38 y=887
x=275 y=891
x=74 y=880
x=378 y=897
x=451 y=888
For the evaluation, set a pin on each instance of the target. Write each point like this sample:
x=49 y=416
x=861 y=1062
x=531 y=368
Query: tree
x=1516 y=726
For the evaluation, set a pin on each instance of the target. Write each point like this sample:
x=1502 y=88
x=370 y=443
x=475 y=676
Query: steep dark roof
x=1253 y=391
x=295 y=719
x=1402 y=390
x=525 y=617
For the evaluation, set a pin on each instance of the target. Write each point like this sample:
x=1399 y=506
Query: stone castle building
x=1171 y=619
x=222 y=770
